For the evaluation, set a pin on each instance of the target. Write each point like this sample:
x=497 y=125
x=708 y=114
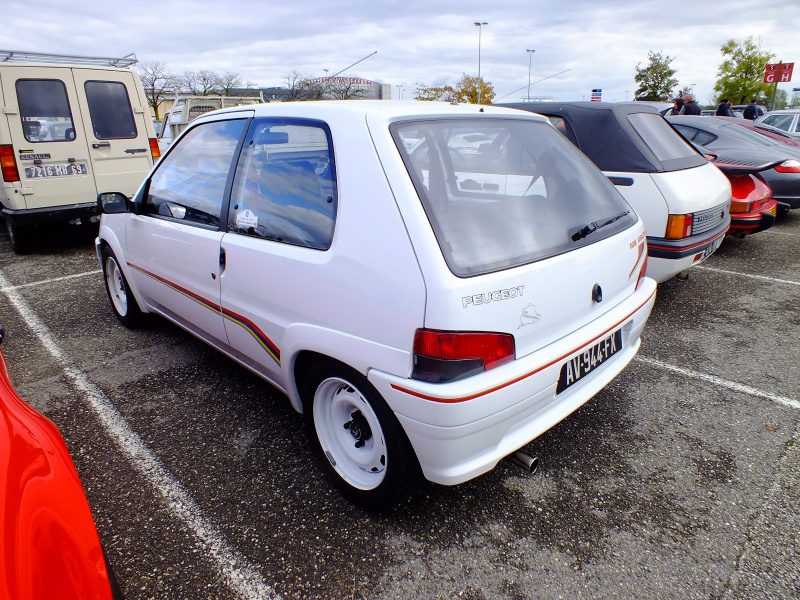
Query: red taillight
x=789 y=166
x=8 y=163
x=747 y=193
x=441 y=356
x=155 y=151
x=679 y=226
x=643 y=270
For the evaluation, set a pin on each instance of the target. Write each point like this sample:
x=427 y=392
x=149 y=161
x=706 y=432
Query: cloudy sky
x=579 y=44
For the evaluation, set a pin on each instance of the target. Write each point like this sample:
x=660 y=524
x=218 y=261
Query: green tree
x=657 y=79
x=464 y=92
x=740 y=77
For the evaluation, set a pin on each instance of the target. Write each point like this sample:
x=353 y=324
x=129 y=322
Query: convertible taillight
x=441 y=356
x=789 y=166
x=679 y=226
x=8 y=163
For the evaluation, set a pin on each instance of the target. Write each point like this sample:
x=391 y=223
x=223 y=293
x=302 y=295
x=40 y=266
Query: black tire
x=122 y=300
x=360 y=444
x=20 y=237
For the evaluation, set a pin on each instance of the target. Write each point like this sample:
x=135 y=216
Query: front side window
x=44 y=110
x=285 y=185
x=189 y=183
x=110 y=110
x=504 y=192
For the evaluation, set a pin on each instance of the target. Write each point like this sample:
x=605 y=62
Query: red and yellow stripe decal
x=263 y=340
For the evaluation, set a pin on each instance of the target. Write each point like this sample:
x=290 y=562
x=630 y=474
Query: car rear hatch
x=536 y=242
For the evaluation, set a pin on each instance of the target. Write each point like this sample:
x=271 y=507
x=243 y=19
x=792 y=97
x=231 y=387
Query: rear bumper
x=462 y=429
x=667 y=258
x=752 y=222
x=51 y=214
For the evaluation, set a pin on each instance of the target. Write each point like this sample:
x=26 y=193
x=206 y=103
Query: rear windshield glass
x=110 y=110
x=661 y=138
x=501 y=193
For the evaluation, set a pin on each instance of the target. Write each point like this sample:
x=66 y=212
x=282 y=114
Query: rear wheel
x=20 y=236
x=122 y=300
x=363 y=447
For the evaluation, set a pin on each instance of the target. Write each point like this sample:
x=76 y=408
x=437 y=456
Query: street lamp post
x=480 y=81
x=530 y=56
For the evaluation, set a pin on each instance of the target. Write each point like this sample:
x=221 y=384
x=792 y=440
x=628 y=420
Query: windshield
x=501 y=192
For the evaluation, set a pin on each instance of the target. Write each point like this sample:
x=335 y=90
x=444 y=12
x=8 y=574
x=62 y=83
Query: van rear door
x=46 y=125
x=118 y=128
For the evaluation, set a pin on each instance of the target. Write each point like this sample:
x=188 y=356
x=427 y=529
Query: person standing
x=750 y=111
x=724 y=108
x=690 y=106
x=677 y=106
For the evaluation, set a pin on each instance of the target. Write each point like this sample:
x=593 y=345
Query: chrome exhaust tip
x=528 y=463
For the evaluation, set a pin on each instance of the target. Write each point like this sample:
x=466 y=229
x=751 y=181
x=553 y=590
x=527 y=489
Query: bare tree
x=201 y=83
x=344 y=88
x=229 y=82
x=158 y=83
x=299 y=86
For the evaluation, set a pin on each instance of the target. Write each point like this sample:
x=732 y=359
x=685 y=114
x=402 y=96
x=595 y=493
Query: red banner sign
x=778 y=73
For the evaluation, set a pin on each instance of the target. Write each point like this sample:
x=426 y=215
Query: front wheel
x=363 y=447
x=122 y=300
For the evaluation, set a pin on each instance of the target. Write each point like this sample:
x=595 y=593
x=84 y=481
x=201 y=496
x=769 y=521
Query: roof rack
x=98 y=61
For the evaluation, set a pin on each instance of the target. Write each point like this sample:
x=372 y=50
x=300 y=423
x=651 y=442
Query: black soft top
x=604 y=134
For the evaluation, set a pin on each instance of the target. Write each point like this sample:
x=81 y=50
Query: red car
x=49 y=547
x=752 y=207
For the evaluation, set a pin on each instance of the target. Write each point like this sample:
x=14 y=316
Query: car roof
x=603 y=132
x=389 y=111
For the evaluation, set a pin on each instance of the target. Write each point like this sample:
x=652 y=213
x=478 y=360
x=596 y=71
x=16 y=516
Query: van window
x=285 y=184
x=501 y=193
x=44 y=110
x=189 y=183
x=110 y=110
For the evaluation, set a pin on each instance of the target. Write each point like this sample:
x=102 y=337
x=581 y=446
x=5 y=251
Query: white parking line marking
x=240 y=575
x=47 y=281
x=762 y=277
x=781 y=233
x=732 y=385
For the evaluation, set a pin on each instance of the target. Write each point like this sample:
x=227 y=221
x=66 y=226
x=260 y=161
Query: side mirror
x=111 y=203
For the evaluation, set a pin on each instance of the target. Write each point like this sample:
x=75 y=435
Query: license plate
x=580 y=366
x=67 y=170
x=773 y=211
x=710 y=250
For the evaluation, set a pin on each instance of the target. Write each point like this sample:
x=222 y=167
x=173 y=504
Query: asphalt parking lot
x=679 y=480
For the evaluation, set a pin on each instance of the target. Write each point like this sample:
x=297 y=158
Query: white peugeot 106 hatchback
x=433 y=286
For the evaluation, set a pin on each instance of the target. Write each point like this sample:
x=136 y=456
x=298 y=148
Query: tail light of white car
x=8 y=163
x=441 y=356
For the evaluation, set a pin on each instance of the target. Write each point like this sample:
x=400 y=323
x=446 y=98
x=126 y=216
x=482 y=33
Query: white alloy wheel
x=115 y=282
x=350 y=433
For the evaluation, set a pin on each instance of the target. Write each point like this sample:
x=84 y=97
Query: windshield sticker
x=494 y=296
x=529 y=316
x=246 y=219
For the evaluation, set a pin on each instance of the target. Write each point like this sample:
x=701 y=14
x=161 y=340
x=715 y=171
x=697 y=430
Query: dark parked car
x=779 y=135
x=682 y=199
x=719 y=135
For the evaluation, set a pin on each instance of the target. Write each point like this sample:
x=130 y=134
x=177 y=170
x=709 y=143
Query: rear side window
x=189 y=183
x=504 y=192
x=285 y=184
x=661 y=138
x=110 y=110
x=44 y=110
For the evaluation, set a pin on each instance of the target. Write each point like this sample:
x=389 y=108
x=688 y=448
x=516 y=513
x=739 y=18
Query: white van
x=71 y=126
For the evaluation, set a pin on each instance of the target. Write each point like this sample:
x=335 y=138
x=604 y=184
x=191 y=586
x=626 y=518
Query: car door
x=118 y=128
x=46 y=126
x=281 y=220
x=174 y=240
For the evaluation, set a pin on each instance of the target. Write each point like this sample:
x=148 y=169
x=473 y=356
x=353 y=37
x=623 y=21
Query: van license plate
x=578 y=367
x=38 y=172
